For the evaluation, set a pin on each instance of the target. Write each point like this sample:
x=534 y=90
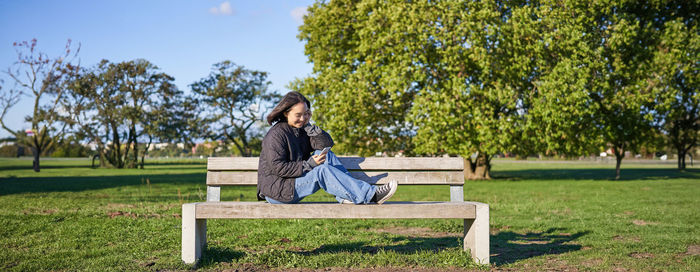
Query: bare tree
x=41 y=78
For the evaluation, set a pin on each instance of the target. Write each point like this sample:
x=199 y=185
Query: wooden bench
x=408 y=171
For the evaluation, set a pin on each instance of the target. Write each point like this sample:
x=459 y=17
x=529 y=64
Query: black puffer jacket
x=284 y=157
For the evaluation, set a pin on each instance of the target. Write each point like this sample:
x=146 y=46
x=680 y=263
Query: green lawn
x=544 y=215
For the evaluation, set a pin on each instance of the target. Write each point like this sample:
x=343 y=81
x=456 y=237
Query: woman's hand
x=319 y=159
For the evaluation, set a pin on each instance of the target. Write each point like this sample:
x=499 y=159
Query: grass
x=544 y=216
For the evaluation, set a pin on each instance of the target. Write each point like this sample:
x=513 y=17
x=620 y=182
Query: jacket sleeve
x=278 y=156
x=319 y=138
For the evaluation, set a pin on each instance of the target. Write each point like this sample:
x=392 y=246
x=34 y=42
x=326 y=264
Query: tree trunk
x=145 y=151
x=127 y=149
x=681 y=159
x=134 y=163
x=93 y=160
x=617 y=166
x=103 y=156
x=115 y=157
x=619 y=155
x=35 y=163
x=479 y=168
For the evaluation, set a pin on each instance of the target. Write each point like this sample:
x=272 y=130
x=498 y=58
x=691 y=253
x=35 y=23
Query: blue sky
x=183 y=38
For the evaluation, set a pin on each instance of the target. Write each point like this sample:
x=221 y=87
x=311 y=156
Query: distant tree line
x=122 y=108
x=479 y=78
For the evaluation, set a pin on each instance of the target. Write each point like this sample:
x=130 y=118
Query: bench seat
x=396 y=210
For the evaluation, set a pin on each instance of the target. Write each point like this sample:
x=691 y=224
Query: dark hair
x=288 y=101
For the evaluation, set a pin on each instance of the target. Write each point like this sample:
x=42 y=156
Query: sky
x=183 y=38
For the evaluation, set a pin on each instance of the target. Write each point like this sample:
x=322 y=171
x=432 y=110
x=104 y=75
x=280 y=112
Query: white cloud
x=223 y=9
x=298 y=14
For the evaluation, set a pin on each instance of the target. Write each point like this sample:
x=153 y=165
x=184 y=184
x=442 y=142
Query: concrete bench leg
x=476 y=235
x=194 y=234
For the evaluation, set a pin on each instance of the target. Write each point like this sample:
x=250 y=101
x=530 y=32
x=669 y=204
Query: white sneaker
x=345 y=201
x=385 y=192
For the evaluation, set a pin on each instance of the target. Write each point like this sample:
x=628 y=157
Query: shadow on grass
x=413 y=245
x=509 y=247
x=214 y=255
x=596 y=174
x=76 y=184
x=47 y=166
x=506 y=247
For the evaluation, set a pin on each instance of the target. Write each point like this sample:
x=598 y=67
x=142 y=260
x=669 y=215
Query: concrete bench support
x=194 y=234
x=476 y=235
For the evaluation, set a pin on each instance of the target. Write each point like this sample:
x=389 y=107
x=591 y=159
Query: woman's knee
x=323 y=167
x=327 y=170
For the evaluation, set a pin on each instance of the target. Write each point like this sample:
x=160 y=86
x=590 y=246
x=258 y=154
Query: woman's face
x=298 y=115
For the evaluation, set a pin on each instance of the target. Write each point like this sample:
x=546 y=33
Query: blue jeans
x=332 y=177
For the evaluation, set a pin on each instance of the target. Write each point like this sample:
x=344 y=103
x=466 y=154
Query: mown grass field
x=544 y=215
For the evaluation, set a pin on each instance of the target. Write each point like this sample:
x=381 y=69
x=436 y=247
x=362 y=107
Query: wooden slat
x=232 y=178
x=422 y=164
x=373 y=177
x=400 y=210
x=427 y=178
x=232 y=163
x=351 y=163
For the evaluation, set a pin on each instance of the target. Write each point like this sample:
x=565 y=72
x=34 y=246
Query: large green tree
x=42 y=78
x=452 y=77
x=234 y=100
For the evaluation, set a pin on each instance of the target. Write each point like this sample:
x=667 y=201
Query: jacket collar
x=285 y=126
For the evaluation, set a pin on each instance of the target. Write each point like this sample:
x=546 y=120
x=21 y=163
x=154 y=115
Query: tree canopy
x=116 y=105
x=235 y=100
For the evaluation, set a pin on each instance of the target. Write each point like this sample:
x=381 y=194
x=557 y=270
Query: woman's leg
x=332 y=160
x=335 y=179
x=303 y=187
x=335 y=182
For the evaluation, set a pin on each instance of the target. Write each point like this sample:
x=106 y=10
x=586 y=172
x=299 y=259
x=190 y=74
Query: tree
x=675 y=80
x=116 y=104
x=625 y=39
x=234 y=99
x=618 y=54
x=149 y=94
x=42 y=78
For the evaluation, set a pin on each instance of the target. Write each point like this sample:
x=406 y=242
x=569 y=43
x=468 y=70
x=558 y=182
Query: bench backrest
x=376 y=170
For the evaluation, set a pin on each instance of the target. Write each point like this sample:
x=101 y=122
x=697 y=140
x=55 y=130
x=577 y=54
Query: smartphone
x=325 y=150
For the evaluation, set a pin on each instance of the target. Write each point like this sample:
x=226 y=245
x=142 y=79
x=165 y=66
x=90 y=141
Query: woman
x=287 y=172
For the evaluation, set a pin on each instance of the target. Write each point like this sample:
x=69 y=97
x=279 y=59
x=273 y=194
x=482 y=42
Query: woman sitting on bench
x=287 y=172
